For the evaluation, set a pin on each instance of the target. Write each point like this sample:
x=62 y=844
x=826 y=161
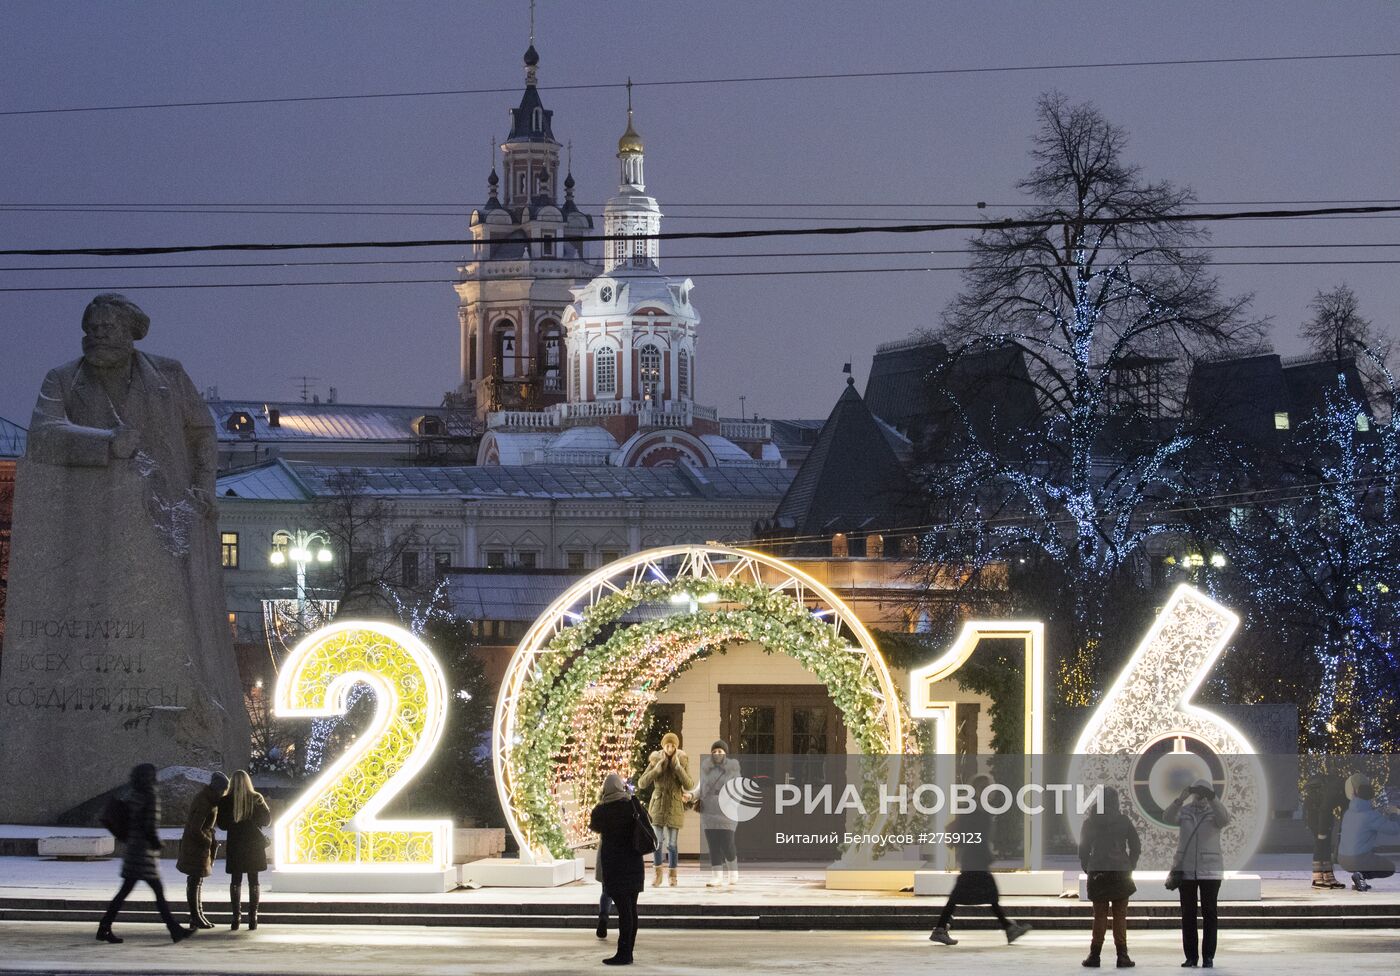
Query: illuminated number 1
x=924 y=703
x=333 y=825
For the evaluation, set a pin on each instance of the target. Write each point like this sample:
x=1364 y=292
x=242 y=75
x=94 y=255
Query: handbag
x=643 y=834
x=1176 y=875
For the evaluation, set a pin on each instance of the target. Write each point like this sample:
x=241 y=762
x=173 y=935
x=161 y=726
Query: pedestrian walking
x=1109 y=848
x=975 y=884
x=717 y=771
x=1200 y=866
x=243 y=813
x=197 y=846
x=1363 y=826
x=132 y=815
x=621 y=821
x=1323 y=802
x=668 y=772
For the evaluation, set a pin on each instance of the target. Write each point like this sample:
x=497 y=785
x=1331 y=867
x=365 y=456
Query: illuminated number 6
x=1147 y=719
x=333 y=825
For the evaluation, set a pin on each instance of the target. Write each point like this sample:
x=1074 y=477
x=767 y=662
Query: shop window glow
x=334 y=824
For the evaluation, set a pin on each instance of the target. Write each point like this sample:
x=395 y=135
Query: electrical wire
x=737 y=255
x=978 y=226
x=732 y=80
x=1240 y=499
x=767 y=273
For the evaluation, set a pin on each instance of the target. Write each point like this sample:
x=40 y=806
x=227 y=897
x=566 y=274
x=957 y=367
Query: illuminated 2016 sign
x=334 y=824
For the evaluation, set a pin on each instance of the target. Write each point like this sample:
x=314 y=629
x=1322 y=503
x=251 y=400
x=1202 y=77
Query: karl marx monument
x=117 y=647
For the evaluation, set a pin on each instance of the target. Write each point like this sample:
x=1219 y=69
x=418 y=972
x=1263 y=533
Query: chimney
x=274 y=416
x=331 y=397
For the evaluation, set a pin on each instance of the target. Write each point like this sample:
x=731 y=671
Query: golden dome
x=630 y=144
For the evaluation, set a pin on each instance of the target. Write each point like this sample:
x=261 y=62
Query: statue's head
x=111 y=326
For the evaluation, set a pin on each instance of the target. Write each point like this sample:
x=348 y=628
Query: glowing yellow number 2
x=333 y=825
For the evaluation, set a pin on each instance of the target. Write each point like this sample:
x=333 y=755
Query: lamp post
x=298 y=546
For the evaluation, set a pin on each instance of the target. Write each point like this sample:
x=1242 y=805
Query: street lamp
x=301 y=547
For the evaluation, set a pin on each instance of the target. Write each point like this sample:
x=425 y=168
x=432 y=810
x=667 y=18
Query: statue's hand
x=125 y=441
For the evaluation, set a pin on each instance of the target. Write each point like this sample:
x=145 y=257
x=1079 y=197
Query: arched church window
x=683 y=373
x=649 y=370
x=537 y=120
x=605 y=372
x=550 y=344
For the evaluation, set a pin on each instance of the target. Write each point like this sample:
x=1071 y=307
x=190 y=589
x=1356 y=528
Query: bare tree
x=369 y=546
x=1337 y=331
x=1109 y=300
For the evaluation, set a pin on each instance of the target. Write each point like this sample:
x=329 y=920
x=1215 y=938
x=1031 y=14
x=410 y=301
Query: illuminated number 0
x=333 y=825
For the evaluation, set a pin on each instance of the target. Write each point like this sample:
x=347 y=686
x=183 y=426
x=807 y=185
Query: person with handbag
x=243 y=813
x=198 y=846
x=1199 y=867
x=668 y=773
x=1109 y=848
x=626 y=836
x=716 y=772
x=131 y=815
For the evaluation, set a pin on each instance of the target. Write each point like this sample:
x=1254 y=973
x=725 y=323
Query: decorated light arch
x=574 y=695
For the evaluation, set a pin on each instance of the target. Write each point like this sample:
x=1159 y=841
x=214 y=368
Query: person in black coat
x=1323 y=801
x=243 y=813
x=615 y=819
x=131 y=815
x=1108 y=853
x=975 y=884
x=198 y=846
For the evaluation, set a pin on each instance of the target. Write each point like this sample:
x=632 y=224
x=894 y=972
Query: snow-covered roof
x=726 y=451
x=298 y=480
x=274 y=481
x=299 y=421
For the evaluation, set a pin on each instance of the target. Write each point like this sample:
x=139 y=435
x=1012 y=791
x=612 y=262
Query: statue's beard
x=105 y=356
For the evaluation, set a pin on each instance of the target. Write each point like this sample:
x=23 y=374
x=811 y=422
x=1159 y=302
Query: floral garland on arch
x=589 y=699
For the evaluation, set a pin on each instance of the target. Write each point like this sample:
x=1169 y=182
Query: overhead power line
x=768 y=273
x=732 y=80
x=830 y=231
x=733 y=255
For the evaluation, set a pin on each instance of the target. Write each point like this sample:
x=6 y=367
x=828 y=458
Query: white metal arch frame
x=699 y=562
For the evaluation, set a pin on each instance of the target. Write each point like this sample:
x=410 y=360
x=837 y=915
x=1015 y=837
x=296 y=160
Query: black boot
x=1094 y=959
x=1124 y=962
x=104 y=933
x=235 y=904
x=602 y=931
x=254 y=895
x=194 y=894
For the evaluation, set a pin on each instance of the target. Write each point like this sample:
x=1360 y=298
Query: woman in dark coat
x=615 y=819
x=244 y=813
x=1323 y=801
x=1108 y=853
x=975 y=884
x=132 y=815
x=197 y=846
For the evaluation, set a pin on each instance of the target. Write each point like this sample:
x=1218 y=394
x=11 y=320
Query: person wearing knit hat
x=668 y=772
x=716 y=771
